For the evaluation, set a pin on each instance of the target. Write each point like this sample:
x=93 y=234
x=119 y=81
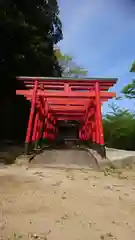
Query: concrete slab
x=74 y=158
x=120 y=158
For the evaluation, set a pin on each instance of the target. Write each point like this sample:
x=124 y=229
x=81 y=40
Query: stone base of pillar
x=97 y=147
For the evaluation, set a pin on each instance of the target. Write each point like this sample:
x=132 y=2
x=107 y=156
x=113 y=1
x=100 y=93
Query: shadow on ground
x=9 y=151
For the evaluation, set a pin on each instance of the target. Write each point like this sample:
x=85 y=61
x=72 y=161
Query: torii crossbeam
x=56 y=99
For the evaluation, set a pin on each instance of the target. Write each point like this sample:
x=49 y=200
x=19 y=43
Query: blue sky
x=100 y=35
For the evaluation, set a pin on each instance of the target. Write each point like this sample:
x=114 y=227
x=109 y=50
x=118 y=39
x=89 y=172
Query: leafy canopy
x=129 y=89
x=28 y=31
x=119 y=128
x=68 y=67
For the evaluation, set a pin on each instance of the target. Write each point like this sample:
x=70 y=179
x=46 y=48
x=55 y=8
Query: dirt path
x=69 y=158
x=66 y=204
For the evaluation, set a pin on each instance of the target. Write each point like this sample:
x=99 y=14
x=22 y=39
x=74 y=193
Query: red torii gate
x=54 y=99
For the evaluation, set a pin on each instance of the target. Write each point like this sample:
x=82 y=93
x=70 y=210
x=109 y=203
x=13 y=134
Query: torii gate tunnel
x=63 y=99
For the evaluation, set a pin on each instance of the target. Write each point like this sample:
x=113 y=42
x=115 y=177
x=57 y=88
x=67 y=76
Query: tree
x=68 y=67
x=29 y=29
x=119 y=128
x=129 y=89
x=133 y=67
x=119 y=124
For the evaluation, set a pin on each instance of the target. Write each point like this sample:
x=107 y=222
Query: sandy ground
x=68 y=158
x=41 y=203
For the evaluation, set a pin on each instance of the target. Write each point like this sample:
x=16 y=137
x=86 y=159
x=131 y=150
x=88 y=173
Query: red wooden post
x=32 y=111
x=45 y=128
x=99 y=115
x=97 y=128
x=66 y=87
x=44 y=117
x=40 y=120
x=35 y=127
x=93 y=132
x=38 y=134
x=37 y=130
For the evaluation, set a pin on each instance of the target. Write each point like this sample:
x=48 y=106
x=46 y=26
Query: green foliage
x=129 y=90
x=68 y=67
x=28 y=31
x=119 y=128
x=133 y=67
